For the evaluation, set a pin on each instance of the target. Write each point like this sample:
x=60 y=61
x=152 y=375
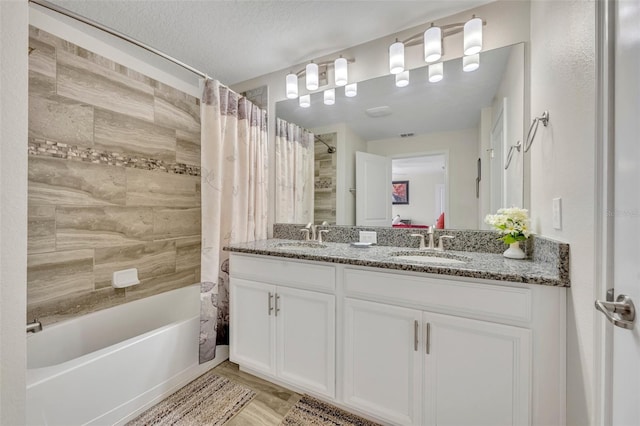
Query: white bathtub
x=105 y=367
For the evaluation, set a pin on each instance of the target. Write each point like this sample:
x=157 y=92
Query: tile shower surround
x=114 y=166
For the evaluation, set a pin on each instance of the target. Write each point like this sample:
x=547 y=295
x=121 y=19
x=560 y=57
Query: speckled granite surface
x=475 y=264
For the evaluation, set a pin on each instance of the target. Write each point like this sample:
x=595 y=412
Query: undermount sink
x=301 y=245
x=429 y=257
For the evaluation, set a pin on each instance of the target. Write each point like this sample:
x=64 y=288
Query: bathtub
x=108 y=366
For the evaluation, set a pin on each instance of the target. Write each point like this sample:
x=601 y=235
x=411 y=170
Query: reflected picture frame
x=400 y=192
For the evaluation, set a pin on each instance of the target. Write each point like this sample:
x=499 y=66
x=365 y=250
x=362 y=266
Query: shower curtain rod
x=118 y=34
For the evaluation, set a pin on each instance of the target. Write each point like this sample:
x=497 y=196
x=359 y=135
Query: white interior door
x=373 y=190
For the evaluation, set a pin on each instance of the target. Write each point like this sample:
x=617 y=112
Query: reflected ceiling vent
x=378 y=111
x=407 y=135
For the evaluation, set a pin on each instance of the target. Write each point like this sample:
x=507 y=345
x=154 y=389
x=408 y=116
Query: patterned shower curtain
x=234 y=199
x=294 y=173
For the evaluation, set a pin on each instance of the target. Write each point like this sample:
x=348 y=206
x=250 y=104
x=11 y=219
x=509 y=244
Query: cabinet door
x=305 y=339
x=476 y=372
x=382 y=364
x=252 y=325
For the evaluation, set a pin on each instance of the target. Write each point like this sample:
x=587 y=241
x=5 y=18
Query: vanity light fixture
x=305 y=101
x=471 y=62
x=402 y=79
x=473 y=36
x=312 y=76
x=351 y=90
x=432 y=44
x=396 y=57
x=292 y=86
x=341 y=72
x=330 y=96
x=436 y=72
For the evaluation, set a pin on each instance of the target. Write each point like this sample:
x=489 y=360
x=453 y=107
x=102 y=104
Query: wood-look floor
x=270 y=405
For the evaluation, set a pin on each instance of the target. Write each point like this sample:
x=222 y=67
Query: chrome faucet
x=423 y=244
x=306 y=233
x=431 y=245
x=312 y=228
x=320 y=232
x=34 y=326
x=440 y=245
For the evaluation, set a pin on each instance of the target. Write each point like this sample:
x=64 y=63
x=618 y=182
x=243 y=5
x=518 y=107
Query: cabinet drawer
x=286 y=272
x=484 y=301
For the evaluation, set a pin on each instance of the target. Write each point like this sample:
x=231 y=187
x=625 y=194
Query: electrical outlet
x=368 y=237
x=557 y=213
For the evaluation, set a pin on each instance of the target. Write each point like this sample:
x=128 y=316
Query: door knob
x=621 y=313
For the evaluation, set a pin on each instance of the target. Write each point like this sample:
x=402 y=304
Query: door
x=373 y=190
x=252 y=325
x=382 y=371
x=476 y=372
x=305 y=323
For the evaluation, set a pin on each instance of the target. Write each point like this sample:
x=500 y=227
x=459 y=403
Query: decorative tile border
x=41 y=147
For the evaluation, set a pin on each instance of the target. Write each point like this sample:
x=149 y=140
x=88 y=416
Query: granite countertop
x=476 y=265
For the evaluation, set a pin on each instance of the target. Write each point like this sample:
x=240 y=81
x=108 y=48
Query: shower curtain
x=294 y=173
x=234 y=199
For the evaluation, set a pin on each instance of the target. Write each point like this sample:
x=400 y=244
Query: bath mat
x=208 y=400
x=310 y=411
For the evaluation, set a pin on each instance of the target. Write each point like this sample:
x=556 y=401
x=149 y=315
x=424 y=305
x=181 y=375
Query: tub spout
x=34 y=326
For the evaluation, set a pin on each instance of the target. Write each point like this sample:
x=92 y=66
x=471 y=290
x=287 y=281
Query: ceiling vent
x=407 y=135
x=378 y=111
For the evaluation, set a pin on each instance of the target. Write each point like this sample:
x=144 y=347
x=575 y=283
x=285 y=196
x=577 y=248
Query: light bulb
x=473 y=36
x=292 y=86
x=341 y=73
x=471 y=62
x=351 y=90
x=432 y=44
x=402 y=79
x=330 y=96
x=396 y=57
x=305 y=101
x=436 y=72
x=312 y=76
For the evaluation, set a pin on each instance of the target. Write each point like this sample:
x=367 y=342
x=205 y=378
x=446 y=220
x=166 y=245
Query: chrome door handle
x=277 y=299
x=270 y=306
x=621 y=313
x=415 y=335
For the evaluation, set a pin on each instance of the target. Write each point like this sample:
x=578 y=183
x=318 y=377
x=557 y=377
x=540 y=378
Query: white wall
x=562 y=165
x=422 y=197
x=461 y=147
x=13 y=209
x=484 y=153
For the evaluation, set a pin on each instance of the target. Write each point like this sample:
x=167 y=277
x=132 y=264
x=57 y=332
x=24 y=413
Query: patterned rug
x=310 y=411
x=208 y=400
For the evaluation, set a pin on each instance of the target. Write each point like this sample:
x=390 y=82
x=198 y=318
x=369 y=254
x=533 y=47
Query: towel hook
x=534 y=127
x=517 y=146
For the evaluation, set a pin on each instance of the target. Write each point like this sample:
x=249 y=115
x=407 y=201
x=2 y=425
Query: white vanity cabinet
x=284 y=330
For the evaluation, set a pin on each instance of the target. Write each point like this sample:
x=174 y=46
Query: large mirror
x=451 y=147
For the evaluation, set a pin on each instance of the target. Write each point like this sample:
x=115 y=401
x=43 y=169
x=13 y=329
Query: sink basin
x=430 y=257
x=301 y=245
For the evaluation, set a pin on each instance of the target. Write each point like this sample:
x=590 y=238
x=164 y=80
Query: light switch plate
x=368 y=237
x=557 y=213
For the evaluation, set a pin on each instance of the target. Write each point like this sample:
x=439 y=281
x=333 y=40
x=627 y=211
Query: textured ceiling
x=235 y=41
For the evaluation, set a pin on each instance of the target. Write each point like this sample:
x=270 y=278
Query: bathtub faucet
x=34 y=326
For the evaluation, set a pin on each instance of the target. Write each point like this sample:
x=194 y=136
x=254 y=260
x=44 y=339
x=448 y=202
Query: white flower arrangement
x=512 y=223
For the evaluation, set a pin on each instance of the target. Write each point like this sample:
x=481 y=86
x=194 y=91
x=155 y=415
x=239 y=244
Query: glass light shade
x=432 y=44
x=396 y=57
x=436 y=72
x=330 y=96
x=471 y=62
x=473 y=36
x=312 y=76
x=402 y=79
x=305 y=101
x=292 y=86
x=351 y=90
x=341 y=72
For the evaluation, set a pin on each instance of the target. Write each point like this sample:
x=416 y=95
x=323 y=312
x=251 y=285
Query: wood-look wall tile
x=151 y=259
x=177 y=110
x=41 y=85
x=157 y=188
x=188 y=147
x=83 y=81
x=55 y=119
x=175 y=223
x=41 y=229
x=98 y=227
x=56 y=181
x=160 y=284
x=120 y=133
x=42 y=58
x=188 y=252
x=58 y=274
